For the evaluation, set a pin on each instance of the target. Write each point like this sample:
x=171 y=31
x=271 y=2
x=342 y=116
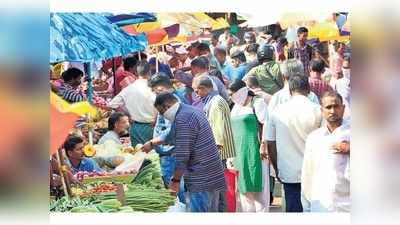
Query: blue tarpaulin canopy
x=132 y=18
x=87 y=37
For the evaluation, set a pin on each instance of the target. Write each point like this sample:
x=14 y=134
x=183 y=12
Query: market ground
x=277 y=203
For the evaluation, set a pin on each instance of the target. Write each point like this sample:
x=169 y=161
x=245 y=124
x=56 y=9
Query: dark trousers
x=222 y=207
x=293 y=197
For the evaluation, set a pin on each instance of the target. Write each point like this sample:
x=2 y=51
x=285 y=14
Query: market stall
x=87 y=37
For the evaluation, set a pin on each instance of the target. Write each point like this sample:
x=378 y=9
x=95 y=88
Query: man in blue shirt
x=196 y=154
x=164 y=133
x=239 y=65
x=77 y=162
x=226 y=67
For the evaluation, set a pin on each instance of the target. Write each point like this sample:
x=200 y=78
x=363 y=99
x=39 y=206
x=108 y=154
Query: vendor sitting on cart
x=74 y=149
x=118 y=125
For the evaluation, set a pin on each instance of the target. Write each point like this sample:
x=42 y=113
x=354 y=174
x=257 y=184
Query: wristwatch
x=173 y=180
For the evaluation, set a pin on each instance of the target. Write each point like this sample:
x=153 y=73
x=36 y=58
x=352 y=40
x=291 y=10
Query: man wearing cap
x=183 y=59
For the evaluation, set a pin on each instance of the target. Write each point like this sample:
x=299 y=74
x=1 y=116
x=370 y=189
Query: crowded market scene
x=199 y=112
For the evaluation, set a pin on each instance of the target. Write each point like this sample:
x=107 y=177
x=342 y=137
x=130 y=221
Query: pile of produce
x=65 y=205
x=92 y=177
x=99 y=189
x=150 y=175
x=144 y=199
x=88 y=205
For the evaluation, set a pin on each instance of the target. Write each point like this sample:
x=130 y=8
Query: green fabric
x=247 y=161
x=140 y=133
x=266 y=83
x=233 y=29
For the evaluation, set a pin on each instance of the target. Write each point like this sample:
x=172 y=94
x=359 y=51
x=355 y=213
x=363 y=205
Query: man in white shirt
x=184 y=60
x=325 y=177
x=288 y=68
x=138 y=99
x=287 y=130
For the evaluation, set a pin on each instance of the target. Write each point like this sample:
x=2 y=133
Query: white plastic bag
x=133 y=164
x=178 y=207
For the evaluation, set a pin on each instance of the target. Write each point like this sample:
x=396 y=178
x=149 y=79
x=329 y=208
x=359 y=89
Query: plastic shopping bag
x=177 y=207
x=133 y=164
x=230 y=195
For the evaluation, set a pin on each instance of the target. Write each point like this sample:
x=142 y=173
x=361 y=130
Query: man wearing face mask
x=163 y=137
x=196 y=154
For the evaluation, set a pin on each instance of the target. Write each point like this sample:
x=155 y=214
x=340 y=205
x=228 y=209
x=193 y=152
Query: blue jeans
x=293 y=197
x=206 y=201
x=167 y=164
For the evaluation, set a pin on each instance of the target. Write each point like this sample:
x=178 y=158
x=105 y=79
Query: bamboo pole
x=64 y=178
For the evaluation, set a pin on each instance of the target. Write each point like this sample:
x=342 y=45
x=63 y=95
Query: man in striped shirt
x=218 y=114
x=196 y=153
x=69 y=89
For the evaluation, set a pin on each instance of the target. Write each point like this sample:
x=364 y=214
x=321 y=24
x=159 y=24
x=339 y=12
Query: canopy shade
x=86 y=37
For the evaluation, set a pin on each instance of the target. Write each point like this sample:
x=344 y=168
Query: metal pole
x=88 y=68
x=140 y=55
x=115 y=79
x=157 y=59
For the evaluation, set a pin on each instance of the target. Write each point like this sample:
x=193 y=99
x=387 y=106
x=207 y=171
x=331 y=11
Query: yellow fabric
x=326 y=31
x=302 y=19
x=220 y=23
x=204 y=19
x=207 y=21
x=185 y=20
x=148 y=26
x=79 y=108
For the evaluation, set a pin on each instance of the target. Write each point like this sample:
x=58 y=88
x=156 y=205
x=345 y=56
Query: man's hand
x=342 y=147
x=174 y=187
x=263 y=151
x=147 y=147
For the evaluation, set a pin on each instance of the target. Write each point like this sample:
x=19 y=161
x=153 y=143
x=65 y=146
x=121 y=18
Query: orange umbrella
x=153 y=36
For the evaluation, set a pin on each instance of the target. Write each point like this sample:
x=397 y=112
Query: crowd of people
x=271 y=110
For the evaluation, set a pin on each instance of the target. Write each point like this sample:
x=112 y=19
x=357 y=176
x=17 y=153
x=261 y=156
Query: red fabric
x=120 y=75
x=230 y=195
x=108 y=64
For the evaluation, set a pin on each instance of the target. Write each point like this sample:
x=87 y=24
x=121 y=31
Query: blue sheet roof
x=132 y=18
x=89 y=36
